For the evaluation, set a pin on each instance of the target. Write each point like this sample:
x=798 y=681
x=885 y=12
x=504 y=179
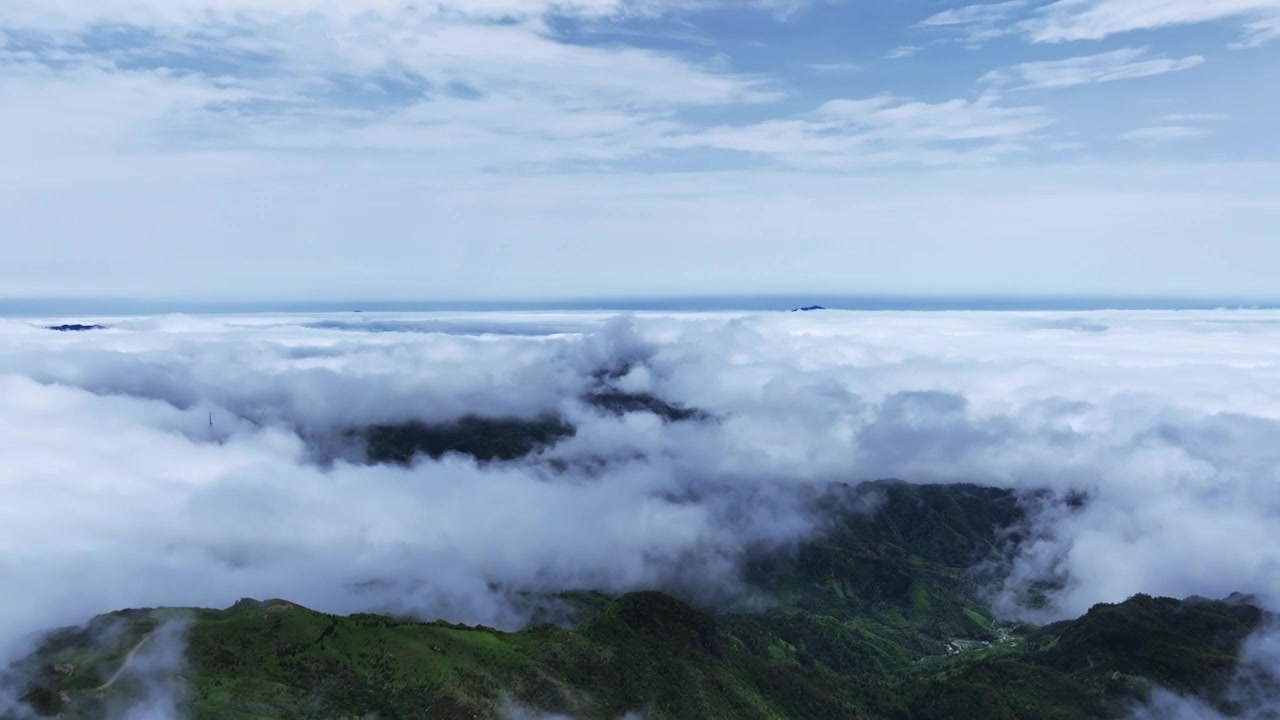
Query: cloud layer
x=119 y=494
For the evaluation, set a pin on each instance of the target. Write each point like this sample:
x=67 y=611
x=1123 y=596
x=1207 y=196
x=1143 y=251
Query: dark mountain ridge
x=75 y=327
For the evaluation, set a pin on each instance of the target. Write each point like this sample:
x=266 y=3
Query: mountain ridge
x=880 y=616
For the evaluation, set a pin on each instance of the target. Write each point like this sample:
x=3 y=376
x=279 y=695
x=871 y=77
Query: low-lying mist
x=192 y=461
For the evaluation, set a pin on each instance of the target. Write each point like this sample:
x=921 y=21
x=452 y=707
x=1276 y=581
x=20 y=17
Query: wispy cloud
x=1071 y=20
x=834 y=68
x=977 y=22
x=979 y=14
x=1123 y=64
x=1195 y=117
x=1261 y=31
x=884 y=130
x=1164 y=134
x=444 y=78
x=1066 y=20
x=902 y=51
x=506 y=129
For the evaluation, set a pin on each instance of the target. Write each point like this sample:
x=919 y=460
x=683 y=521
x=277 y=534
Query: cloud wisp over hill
x=191 y=461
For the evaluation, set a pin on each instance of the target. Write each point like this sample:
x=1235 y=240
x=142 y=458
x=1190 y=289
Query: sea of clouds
x=118 y=490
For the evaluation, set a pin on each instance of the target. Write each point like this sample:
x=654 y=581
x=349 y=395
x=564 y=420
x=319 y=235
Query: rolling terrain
x=882 y=616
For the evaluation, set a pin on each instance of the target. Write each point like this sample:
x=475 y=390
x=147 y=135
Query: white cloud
x=1195 y=117
x=1066 y=20
x=952 y=120
x=977 y=23
x=979 y=14
x=834 y=68
x=402 y=150
x=1122 y=64
x=902 y=51
x=883 y=130
x=118 y=494
x=1072 y=20
x=374 y=76
x=1164 y=133
x=1260 y=32
x=181 y=15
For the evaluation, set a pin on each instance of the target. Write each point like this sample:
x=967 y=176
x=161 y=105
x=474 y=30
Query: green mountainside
x=881 y=616
x=502 y=439
x=485 y=439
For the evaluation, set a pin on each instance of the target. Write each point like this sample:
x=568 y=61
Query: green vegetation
x=979 y=620
x=485 y=439
x=898 y=562
x=618 y=403
x=880 y=618
x=501 y=439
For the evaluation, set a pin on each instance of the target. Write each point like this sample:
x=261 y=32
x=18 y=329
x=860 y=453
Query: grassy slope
x=860 y=629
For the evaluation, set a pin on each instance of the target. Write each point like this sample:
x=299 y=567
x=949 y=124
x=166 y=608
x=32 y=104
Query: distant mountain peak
x=809 y=308
x=75 y=327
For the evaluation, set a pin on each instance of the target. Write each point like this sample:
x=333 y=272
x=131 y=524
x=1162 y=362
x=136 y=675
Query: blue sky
x=473 y=149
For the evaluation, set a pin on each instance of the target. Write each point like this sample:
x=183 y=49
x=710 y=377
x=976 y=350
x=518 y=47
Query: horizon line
x=34 y=306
